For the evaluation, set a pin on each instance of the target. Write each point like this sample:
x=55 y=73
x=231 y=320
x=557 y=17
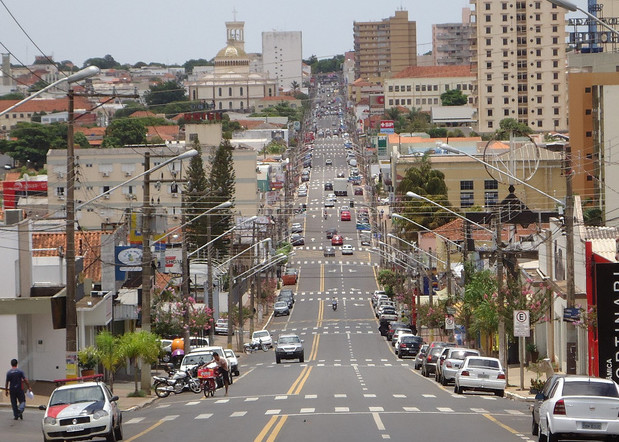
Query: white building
x=282 y=57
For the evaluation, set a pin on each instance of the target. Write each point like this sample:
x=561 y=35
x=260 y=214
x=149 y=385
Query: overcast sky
x=176 y=31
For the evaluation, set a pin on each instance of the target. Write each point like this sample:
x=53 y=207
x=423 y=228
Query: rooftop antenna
x=234 y=12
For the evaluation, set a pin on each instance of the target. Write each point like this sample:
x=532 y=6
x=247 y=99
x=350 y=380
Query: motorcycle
x=326 y=215
x=211 y=379
x=250 y=347
x=334 y=305
x=176 y=382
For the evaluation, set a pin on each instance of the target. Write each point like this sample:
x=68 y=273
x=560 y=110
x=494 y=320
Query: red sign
x=387 y=124
x=15 y=189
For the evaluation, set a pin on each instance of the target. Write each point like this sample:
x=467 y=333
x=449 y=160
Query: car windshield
x=72 y=395
x=197 y=359
x=411 y=339
x=229 y=353
x=589 y=388
x=462 y=354
x=261 y=334
x=289 y=340
x=484 y=363
x=281 y=304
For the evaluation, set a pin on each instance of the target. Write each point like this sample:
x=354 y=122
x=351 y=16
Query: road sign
x=522 y=327
x=449 y=322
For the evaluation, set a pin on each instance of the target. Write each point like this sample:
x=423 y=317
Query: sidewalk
x=513 y=390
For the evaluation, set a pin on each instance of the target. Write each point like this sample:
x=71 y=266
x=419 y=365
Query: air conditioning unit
x=60 y=197
x=106 y=174
x=107 y=197
x=127 y=173
x=60 y=175
x=175 y=195
x=129 y=196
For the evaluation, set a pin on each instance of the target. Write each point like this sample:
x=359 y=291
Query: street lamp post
x=565 y=4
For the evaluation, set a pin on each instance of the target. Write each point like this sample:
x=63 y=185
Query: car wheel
x=552 y=437
x=541 y=436
x=424 y=372
x=166 y=358
x=459 y=390
x=400 y=355
x=499 y=393
x=111 y=436
x=436 y=378
x=277 y=359
x=119 y=431
x=302 y=357
x=443 y=381
x=534 y=426
x=236 y=373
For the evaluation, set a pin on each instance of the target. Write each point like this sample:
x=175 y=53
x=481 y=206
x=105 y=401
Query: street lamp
x=565 y=4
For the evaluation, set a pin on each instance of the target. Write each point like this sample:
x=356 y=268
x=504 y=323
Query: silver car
x=281 y=308
x=289 y=347
x=481 y=374
x=452 y=361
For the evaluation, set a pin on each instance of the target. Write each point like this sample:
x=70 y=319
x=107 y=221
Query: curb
x=518 y=397
x=140 y=406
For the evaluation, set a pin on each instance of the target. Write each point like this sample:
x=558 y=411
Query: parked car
x=286 y=295
x=331 y=232
x=363 y=226
x=408 y=345
x=289 y=347
x=297 y=240
x=347 y=249
x=429 y=362
x=296 y=228
x=482 y=374
x=262 y=336
x=290 y=276
x=452 y=361
x=540 y=397
x=221 y=326
x=329 y=251
x=337 y=240
x=200 y=356
x=580 y=407
x=393 y=326
x=233 y=361
x=302 y=193
x=77 y=410
x=166 y=350
x=375 y=296
x=345 y=216
x=388 y=314
x=281 y=308
x=420 y=356
x=399 y=331
x=358 y=190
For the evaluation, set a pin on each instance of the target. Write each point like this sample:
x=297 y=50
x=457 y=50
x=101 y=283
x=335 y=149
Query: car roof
x=289 y=335
x=208 y=349
x=79 y=385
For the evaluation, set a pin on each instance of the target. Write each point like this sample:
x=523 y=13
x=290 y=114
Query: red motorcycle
x=211 y=380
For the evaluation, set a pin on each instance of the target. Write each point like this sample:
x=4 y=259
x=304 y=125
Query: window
x=489 y=89
x=488 y=42
x=397 y=88
x=230 y=105
x=490 y=124
x=491 y=198
x=423 y=87
x=408 y=88
x=504 y=42
x=505 y=100
x=390 y=88
x=491 y=184
x=489 y=65
x=59 y=191
x=588 y=134
x=241 y=91
x=488 y=77
x=506 y=112
x=391 y=102
x=466 y=185
x=488 y=30
x=489 y=112
x=587 y=111
x=397 y=101
x=466 y=199
x=229 y=92
x=409 y=101
x=417 y=87
x=489 y=100
x=488 y=18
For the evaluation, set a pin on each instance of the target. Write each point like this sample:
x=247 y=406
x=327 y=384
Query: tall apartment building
x=519 y=60
x=451 y=42
x=282 y=57
x=385 y=46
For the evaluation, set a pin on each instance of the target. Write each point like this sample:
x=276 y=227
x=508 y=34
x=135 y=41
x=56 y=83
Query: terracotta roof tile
x=435 y=71
x=279 y=98
x=166 y=133
x=87 y=244
x=45 y=105
x=142 y=114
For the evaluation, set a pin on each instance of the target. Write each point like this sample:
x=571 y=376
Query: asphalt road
x=351 y=386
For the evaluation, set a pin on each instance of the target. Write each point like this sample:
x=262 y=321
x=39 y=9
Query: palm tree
x=110 y=355
x=138 y=346
x=294 y=85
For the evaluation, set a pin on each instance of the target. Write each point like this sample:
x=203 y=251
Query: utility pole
x=185 y=281
x=230 y=303
x=146 y=267
x=209 y=280
x=572 y=336
x=71 y=313
x=501 y=299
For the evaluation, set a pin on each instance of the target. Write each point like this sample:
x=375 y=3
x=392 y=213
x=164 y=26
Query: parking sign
x=522 y=327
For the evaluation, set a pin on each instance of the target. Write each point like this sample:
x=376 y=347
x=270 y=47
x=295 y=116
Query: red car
x=337 y=240
x=345 y=216
x=358 y=191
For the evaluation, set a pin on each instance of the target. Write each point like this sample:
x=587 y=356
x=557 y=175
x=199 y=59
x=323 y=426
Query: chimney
x=6 y=68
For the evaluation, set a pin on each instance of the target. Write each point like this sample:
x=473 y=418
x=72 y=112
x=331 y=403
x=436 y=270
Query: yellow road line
x=321 y=312
x=322 y=277
x=148 y=430
x=277 y=428
x=375 y=277
x=302 y=383
x=500 y=424
x=314 y=351
x=266 y=429
x=294 y=384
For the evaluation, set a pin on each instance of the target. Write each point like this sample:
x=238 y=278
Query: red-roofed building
x=26 y=111
x=420 y=87
x=362 y=89
x=166 y=133
x=263 y=103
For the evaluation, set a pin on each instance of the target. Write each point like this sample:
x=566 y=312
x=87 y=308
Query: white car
x=580 y=407
x=201 y=356
x=85 y=410
x=233 y=361
x=262 y=335
x=453 y=361
x=347 y=249
x=481 y=373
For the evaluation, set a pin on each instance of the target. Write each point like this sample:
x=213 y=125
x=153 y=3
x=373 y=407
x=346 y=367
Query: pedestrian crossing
x=397 y=403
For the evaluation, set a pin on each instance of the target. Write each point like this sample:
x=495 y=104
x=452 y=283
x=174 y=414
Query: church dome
x=231 y=51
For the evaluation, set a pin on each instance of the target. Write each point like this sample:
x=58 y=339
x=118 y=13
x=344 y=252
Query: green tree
x=124 y=131
x=165 y=93
x=508 y=126
x=106 y=62
x=221 y=183
x=129 y=108
x=138 y=346
x=294 y=85
x=195 y=195
x=13 y=96
x=190 y=64
x=110 y=354
x=421 y=179
x=453 y=97
x=437 y=132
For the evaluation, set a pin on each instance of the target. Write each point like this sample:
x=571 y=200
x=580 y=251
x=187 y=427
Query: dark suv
x=286 y=295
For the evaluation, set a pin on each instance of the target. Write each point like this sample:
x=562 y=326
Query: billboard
x=387 y=127
x=607 y=294
x=377 y=104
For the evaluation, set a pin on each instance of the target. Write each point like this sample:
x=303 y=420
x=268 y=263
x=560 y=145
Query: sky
x=173 y=32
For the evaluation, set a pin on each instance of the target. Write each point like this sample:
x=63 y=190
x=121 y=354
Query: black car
x=297 y=240
x=409 y=346
x=328 y=186
x=393 y=326
x=286 y=297
x=428 y=365
x=331 y=232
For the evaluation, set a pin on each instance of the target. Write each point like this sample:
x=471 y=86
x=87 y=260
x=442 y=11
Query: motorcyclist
x=325 y=214
x=334 y=303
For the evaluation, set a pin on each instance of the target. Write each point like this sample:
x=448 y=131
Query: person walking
x=15 y=378
x=222 y=364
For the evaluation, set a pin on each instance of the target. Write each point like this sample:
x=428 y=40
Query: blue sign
x=571 y=314
x=128 y=259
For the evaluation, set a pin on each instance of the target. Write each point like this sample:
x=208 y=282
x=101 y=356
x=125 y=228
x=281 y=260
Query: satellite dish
x=518 y=156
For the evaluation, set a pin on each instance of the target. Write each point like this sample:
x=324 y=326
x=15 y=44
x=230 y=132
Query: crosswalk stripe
x=514 y=412
x=340 y=395
x=376 y=409
x=428 y=395
x=444 y=409
x=238 y=414
x=204 y=416
x=410 y=408
x=307 y=410
x=342 y=409
x=135 y=420
x=479 y=410
x=170 y=418
x=192 y=403
x=272 y=412
x=251 y=399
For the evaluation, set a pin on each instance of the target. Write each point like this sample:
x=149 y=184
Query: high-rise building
x=282 y=54
x=519 y=61
x=385 y=46
x=451 y=42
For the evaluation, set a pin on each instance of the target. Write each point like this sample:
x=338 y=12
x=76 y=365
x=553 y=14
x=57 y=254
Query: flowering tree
x=172 y=314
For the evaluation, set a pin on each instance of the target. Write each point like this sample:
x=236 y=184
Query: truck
x=340 y=187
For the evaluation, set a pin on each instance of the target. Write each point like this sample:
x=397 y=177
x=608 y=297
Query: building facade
x=519 y=61
x=385 y=46
x=231 y=85
x=451 y=42
x=420 y=87
x=282 y=57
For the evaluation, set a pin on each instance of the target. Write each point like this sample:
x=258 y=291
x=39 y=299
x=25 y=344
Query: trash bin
x=352 y=203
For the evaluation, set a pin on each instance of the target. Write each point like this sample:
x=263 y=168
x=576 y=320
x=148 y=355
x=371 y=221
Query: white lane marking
x=135 y=420
x=479 y=410
x=488 y=398
x=251 y=399
x=378 y=421
x=163 y=406
x=222 y=401
x=193 y=403
x=339 y=395
x=342 y=409
x=376 y=409
x=428 y=395
x=268 y=412
x=444 y=409
x=400 y=396
x=386 y=436
x=279 y=398
x=170 y=418
x=410 y=408
x=238 y=414
x=311 y=396
x=515 y=412
x=307 y=410
x=204 y=416
x=369 y=395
